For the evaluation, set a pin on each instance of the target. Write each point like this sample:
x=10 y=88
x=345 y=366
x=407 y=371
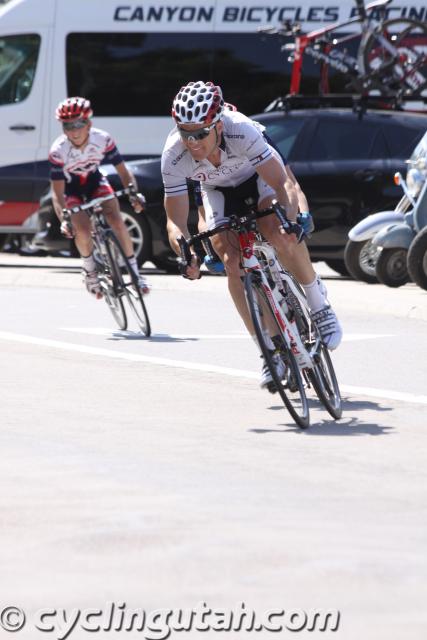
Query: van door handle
x=22 y=127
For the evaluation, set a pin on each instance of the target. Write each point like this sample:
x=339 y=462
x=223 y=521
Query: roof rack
x=357 y=102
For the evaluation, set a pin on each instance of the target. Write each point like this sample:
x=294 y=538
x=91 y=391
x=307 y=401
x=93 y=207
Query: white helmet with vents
x=198 y=103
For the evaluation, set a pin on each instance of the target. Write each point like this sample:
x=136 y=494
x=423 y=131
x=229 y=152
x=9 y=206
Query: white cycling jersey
x=243 y=149
x=67 y=161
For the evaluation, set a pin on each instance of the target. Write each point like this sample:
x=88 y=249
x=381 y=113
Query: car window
x=284 y=132
x=401 y=139
x=343 y=140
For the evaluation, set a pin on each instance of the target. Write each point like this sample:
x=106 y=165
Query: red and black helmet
x=198 y=103
x=75 y=108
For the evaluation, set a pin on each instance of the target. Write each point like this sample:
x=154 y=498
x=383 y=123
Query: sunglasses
x=195 y=134
x=77 y=124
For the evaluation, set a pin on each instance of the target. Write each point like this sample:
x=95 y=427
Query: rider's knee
x=232 y=266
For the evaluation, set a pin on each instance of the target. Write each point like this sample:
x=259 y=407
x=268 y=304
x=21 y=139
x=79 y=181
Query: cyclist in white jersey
x=229 y=154
x=74 y=160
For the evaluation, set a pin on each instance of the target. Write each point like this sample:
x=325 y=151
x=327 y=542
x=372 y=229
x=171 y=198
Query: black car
x=344 y=159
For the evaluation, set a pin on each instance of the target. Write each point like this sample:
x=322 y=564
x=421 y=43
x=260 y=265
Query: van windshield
x=18 y=61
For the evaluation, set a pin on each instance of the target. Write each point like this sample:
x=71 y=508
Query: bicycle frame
x=279 y=275
x=302 y=44
x=250 y=263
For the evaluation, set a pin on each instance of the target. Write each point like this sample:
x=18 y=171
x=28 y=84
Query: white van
x=129 y=57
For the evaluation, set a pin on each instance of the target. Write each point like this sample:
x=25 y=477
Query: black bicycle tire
x=302 y=421
x=131 y=290
x=369 y=45
x=321 y=386
x=110 y=273
x=315 y=375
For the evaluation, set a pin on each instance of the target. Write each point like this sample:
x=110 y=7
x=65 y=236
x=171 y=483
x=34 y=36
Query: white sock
x=89 y=263
x=133 y=263
x=316 y=294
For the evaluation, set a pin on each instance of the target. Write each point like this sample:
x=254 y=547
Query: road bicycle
x=280 y=315
x=391 y=57
x=118 y=280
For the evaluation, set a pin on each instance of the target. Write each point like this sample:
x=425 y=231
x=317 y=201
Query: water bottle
x=213 y=264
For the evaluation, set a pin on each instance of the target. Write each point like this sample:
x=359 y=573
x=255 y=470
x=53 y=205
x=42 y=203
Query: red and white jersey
x=67 y=161
x=243 y=149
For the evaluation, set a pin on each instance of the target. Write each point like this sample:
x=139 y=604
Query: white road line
x=133 y=357
x=181 y=364
x=103 y=331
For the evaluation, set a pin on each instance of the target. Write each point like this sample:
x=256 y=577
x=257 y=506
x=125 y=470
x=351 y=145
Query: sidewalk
x=409 y=301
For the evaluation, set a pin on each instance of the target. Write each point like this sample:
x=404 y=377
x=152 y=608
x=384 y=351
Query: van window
x=138 y=74
x=18 y=62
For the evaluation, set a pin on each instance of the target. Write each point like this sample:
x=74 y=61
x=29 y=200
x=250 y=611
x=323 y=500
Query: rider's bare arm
x=127 y=178
x=58 y=196
x=273 y=173
x=125 y=175
x=302 y=200
x=177 y=209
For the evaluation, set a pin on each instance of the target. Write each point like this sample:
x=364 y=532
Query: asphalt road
x=155 y=474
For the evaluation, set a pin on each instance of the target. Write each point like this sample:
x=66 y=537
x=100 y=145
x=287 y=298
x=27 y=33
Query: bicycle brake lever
x=184 y=260
x=286 y=225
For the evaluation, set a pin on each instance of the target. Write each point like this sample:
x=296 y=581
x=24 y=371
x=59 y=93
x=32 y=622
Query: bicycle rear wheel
x=325 y=383
x=403 y=74
x=129 y=288
x=110 y=279
x=291 y=388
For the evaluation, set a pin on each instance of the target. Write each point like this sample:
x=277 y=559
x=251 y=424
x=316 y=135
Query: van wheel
x=140 y=233
x=360 y=259
x=391 y=267
x=338 y=265
x=417 y=259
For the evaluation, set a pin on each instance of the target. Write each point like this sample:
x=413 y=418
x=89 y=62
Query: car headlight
x=414 y=180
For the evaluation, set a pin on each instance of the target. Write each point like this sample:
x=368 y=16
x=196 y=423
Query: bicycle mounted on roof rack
x=389 y=60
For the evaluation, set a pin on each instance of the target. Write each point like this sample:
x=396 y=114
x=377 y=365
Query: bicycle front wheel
x=110 y=279
x=129 y=289
x=394 y=58
x=291 y=387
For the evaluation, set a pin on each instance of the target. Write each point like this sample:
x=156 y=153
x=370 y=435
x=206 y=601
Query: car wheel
x=338 y=266
x=167 y=263
x=391 y=267
x=140 y=233
x=417 y=259
x=360 y=259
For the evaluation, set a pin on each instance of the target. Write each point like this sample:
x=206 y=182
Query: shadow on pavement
x=348 y=425
x=134 y=335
